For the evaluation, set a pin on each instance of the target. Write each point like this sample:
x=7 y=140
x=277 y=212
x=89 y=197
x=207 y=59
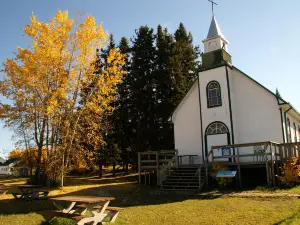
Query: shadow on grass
x=294 y=219
x=126 y=191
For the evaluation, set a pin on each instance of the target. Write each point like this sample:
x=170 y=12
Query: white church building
x=226 y=106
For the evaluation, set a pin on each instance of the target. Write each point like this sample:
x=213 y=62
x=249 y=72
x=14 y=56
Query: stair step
x=182 y=184
x=183 y=180
x=179 y=190
x=182 y=176
x=181 y=187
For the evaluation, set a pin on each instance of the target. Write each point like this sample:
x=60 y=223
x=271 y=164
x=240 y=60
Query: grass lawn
x=144 y=205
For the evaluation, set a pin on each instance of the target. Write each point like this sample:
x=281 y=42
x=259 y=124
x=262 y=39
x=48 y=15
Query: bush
x=290 y=175
x=222 y=181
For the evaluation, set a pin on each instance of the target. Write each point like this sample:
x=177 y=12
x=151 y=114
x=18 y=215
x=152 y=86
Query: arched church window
x=213 y=92
x=216 y=128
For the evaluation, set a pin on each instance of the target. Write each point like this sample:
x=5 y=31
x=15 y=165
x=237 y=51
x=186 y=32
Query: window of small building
x=213 y=92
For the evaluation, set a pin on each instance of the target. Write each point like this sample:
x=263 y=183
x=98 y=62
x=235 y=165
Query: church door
x=216 y=134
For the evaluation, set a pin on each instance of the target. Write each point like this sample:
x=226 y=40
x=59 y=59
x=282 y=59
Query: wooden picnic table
x=87 y=203
x=3 y=189
x=29 y=192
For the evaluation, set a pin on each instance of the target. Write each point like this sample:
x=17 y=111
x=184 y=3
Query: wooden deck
x=268 y=154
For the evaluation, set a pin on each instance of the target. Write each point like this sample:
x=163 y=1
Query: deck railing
x=264 y=153
x=166 y=169
x=155 y=161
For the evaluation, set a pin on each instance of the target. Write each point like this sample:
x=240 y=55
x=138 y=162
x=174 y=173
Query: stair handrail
x=166 y=168
x=198 y=173
x=207 y=156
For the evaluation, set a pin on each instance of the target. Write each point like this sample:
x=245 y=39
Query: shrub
x=290 y=175
x=222 y=181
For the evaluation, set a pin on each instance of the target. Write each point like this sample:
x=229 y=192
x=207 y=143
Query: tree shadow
x=126 y=191
x=290 y=219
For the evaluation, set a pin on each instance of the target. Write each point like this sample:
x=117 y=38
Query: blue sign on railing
x=226 y=173
x=226 y=151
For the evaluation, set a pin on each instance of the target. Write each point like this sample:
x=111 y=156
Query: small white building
x=7 y=168
x=226 y=106
x=2 y=160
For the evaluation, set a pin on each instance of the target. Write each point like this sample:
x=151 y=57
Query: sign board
x=226 y=151
x=226 y=173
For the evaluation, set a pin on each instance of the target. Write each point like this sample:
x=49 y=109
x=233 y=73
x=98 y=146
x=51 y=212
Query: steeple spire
x=214 y=29
x=215 y=46
x=215 y=39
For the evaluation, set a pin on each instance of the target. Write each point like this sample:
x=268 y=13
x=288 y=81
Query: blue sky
x=263 y=35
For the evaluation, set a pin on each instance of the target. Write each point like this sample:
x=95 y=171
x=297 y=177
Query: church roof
x=281 y=102
x=214 y=29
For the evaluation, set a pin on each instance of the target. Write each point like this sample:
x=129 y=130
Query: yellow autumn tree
x=291 y=172
x=43 y=85
x=16 y=153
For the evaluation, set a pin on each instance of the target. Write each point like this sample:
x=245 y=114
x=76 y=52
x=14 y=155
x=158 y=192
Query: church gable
x=280 y=100
x=194 y=92
x=187 y=125
x=255 y=110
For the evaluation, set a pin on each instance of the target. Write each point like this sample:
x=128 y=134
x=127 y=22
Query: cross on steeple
x=212 y=5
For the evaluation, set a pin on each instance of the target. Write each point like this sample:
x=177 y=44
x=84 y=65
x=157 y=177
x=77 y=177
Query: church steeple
x=215 y=46
x=215 y=39
x=214 y=29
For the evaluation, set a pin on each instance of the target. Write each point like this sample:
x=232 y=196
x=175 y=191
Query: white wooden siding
x=186 y=119
x=256 y=111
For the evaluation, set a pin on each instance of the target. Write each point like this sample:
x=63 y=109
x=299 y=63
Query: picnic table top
x=83 y=199
x=29 y=186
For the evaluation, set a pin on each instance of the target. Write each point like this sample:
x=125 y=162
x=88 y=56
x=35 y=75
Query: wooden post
x=176 y=159
x=139 y=166
x=267 y=166
x=206 y=176
x=239 y=167
x=271 y=158
x=280 y=152
x=276 y=165
x=206 y=172
x=272 y=164
x=157 y=169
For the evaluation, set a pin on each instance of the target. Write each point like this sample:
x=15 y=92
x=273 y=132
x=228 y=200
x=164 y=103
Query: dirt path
x=251 y=194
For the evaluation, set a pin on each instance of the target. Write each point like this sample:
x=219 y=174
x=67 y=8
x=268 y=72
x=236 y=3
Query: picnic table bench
x=3 y=189
x=79 y=206
x=30 y=192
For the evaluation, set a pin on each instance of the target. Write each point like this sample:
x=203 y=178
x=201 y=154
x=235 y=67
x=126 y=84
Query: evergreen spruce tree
x=183 y=64
x=278 y=93
x=161 y=69
x=121 y=116
x=164 y=44
x=111 y=45
x=141 y=83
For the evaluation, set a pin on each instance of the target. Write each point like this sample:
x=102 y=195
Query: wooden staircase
x=185 y=178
